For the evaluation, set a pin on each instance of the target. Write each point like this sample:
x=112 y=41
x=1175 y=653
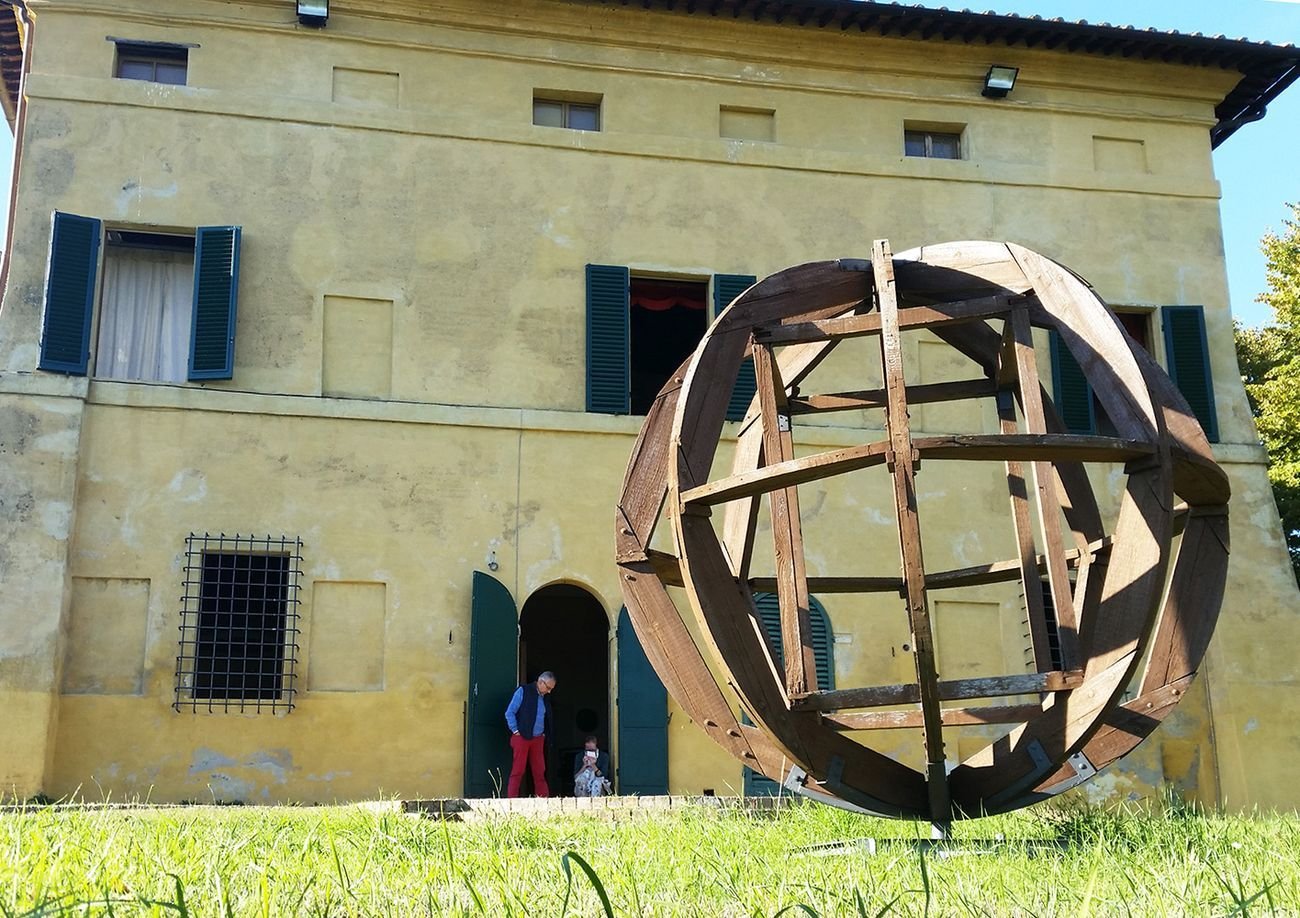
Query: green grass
x=359 y=861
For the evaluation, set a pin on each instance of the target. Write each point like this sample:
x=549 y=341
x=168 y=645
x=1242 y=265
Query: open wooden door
x=493 y=678
x=642 y=763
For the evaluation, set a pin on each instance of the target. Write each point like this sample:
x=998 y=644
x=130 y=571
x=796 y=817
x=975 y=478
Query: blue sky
x=1252 y=165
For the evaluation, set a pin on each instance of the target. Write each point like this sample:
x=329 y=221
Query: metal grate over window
x=239 y=623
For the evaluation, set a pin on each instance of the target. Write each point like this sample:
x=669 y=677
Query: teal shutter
x=493 y=678
x=216 y=282
x=70 y=294
x=1188 y=354
x=608 y=365
x=642 y=718
x=769 y=613
x=726 y=287
x=1072 y=393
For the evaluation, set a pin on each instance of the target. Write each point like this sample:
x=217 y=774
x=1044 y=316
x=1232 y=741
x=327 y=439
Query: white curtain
x=144 y=319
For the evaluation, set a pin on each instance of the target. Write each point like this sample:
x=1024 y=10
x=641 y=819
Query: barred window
x=239 y=623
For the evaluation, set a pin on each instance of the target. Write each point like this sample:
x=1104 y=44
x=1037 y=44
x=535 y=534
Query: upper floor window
x=152 y=62
x=576 y=113
x=164 y=312
x=932 y=142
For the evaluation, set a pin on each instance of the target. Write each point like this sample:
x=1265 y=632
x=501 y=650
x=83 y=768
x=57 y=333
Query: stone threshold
x=458 y=809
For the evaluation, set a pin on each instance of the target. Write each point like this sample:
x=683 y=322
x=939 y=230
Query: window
x=577 y=115
x=239 y=624
x=153 y=63
x=666 y=319
x=639 y=330
x=144 y=312
x=166 y=308
x=932 y=143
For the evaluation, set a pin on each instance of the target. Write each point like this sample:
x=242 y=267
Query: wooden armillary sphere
x=1133 y=596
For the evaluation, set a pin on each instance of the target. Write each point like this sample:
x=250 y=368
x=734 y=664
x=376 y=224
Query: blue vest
x=526 y=717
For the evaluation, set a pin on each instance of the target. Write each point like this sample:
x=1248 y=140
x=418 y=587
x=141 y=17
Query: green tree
x=1270 y=366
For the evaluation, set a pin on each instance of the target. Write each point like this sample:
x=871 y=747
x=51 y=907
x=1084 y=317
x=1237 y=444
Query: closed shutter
x=608 y=381
x=1188 y=355
x=642 y=765
x=769 y=614
x=216 y=283
x=726 y=287
x=1071 y=391
x=70 y=294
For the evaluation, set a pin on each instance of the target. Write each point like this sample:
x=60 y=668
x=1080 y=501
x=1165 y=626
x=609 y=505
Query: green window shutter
x=642 y=718
x=726 y=287
x=216 y=283
x=1188 y=355
x=608 y=365
x=1073 y=394
x=769 y=613
x=70 y=294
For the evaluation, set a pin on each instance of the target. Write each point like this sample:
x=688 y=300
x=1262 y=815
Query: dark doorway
x=564 y=629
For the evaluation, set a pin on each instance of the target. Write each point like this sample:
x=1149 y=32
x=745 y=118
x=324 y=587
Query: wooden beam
x=787 y=532
x=952 y=717
x=1033 y=447
x=870 y=323
x=909 y=530
x=954 y=690
x=785 y=474
x=878 y=398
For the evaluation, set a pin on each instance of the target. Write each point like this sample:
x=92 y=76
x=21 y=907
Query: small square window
x=239 y=624
x=153 y=63
x=564 y=113
x=932 y=144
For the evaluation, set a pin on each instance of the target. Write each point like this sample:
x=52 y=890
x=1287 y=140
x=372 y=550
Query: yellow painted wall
x=409 y=385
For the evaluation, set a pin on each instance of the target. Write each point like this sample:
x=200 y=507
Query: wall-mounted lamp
x=999 y=81
x=314 y=12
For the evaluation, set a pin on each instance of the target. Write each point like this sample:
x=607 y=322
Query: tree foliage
x=1270 y=365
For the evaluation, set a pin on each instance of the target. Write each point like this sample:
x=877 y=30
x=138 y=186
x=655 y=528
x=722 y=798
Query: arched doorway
x=563 y=628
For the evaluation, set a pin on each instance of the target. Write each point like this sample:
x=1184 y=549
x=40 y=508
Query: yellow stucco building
x=324 y=339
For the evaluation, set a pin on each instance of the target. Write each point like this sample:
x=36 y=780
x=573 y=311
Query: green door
x=642 y=751
x=769 y=613
x=493 y=678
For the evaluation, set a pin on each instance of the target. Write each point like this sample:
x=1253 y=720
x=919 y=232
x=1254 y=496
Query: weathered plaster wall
x=442 y=211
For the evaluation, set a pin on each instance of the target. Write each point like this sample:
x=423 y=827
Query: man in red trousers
x=529 y=717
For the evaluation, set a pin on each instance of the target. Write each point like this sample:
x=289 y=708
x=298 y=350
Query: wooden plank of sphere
x=787 y=531
x=645 y=482
x=1033 y=447
x=952 y=717
x=1194 y=598
x=903 y=475
x=876 y=696
x=915 y=317
x=1067 y=626
x=878 y=398
x=1104 y=355
x=1028 y=568
x=786 y=474
x=935 y=273
x=825 y=285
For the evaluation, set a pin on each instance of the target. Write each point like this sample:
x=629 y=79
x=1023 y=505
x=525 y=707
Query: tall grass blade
x=591 y=875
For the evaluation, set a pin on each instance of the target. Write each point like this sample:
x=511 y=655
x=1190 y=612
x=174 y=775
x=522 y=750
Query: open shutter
x=70 y=294
x=216 y=282
x=642 y=718
x=726 y=287
x=493 y=678
x=1188 y=355
x=1071 y=391
x=769 y=614
x=608 y=381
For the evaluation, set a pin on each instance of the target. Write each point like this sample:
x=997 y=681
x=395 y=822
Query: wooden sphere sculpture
x=1133 y=606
